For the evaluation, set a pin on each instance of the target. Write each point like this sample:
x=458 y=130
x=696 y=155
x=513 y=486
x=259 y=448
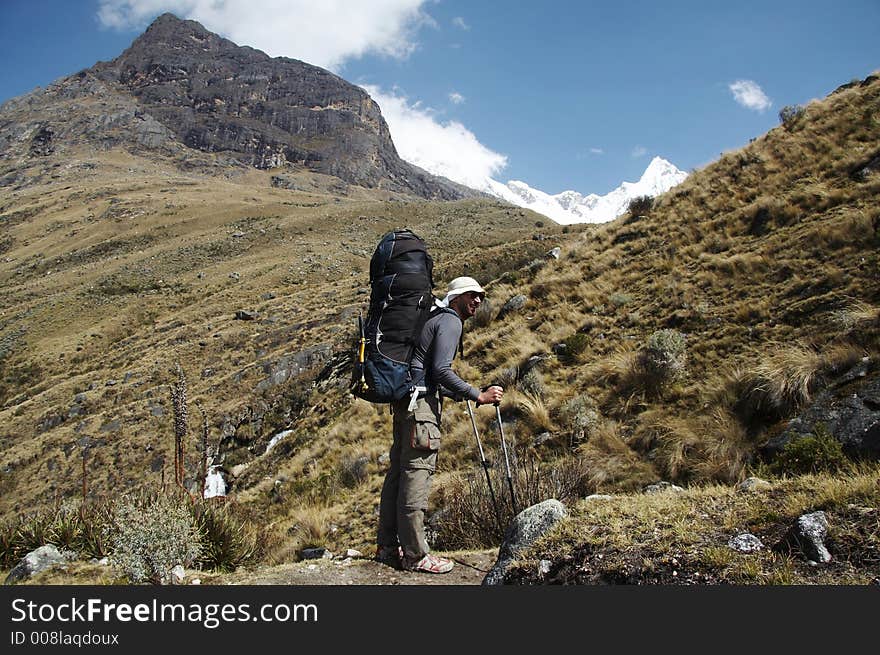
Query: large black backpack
x=401 y=285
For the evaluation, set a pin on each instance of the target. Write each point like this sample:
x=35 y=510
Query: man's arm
x=446 y=339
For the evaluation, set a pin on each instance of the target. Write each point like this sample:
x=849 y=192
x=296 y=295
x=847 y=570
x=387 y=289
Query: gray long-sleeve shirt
x=437 y=345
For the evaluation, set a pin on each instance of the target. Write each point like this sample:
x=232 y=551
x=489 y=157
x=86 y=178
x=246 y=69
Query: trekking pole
x=506 y=460
x=485 y=464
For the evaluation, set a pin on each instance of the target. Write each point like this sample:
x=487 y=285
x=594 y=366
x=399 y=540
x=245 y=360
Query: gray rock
x=555 y=253
x=808 y=534
x=513 y=305
x=530 y=524
x=752 y=484
x=37 y=561
x=315 y=553
x=849 y=408
x=660 y=487
x=111 y=426
x=745 y=543
x=245 y=315
x=599 y=497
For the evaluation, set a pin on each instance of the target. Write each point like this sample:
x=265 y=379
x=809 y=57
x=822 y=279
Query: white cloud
x=448 y=149
x=750 y=95
x=456 y=98
x=639 y=151
x=460 y=23
x=338 y=30
x=597 y=151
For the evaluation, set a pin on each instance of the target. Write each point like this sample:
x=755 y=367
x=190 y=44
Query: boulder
x=808 y=535
x=530 y=524
x=593 y=497
x=36 y=561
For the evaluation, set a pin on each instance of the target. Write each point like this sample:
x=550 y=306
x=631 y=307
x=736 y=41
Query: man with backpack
x=417 y=434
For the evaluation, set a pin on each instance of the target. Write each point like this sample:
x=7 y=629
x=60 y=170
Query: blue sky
x=561 y=95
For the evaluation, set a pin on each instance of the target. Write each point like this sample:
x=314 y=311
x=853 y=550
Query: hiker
x=401 y=535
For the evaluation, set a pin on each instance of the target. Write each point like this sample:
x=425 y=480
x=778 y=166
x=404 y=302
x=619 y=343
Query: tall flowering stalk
x=178 y=400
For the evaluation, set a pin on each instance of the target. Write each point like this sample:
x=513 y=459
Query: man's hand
x=490 y=396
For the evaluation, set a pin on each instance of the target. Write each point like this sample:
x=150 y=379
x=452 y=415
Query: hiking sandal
x=430 y=564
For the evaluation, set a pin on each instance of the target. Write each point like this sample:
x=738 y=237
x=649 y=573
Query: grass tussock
x=143 y=534
x=470 y=519
x=784 y=381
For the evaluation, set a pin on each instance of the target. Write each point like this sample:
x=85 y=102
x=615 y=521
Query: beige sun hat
x=459 y=286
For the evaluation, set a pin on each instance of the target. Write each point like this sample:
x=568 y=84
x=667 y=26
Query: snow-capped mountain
x=571 y=207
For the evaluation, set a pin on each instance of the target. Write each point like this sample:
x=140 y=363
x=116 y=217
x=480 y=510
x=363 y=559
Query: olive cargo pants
x=407 y=484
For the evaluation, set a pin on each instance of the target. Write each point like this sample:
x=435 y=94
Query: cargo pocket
x=425 y=432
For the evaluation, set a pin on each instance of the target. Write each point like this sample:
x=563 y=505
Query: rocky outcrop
x=849 y=409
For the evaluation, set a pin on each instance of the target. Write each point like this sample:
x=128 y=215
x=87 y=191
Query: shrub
x=814 y=453
x=532 y=383
x=507 y=377
x=151 y=535
x=580 y=417
x=663 y=358
x=791 y=114
x=640 y=205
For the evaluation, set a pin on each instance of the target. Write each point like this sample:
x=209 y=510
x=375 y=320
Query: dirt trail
x=470 y=569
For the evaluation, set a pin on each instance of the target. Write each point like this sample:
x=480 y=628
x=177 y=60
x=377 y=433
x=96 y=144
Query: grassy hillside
x=669 y=344
x=116 y=268
x=760 y=275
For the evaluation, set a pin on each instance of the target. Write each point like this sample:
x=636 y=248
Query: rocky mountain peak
x=196 y=90
x=169 y=38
